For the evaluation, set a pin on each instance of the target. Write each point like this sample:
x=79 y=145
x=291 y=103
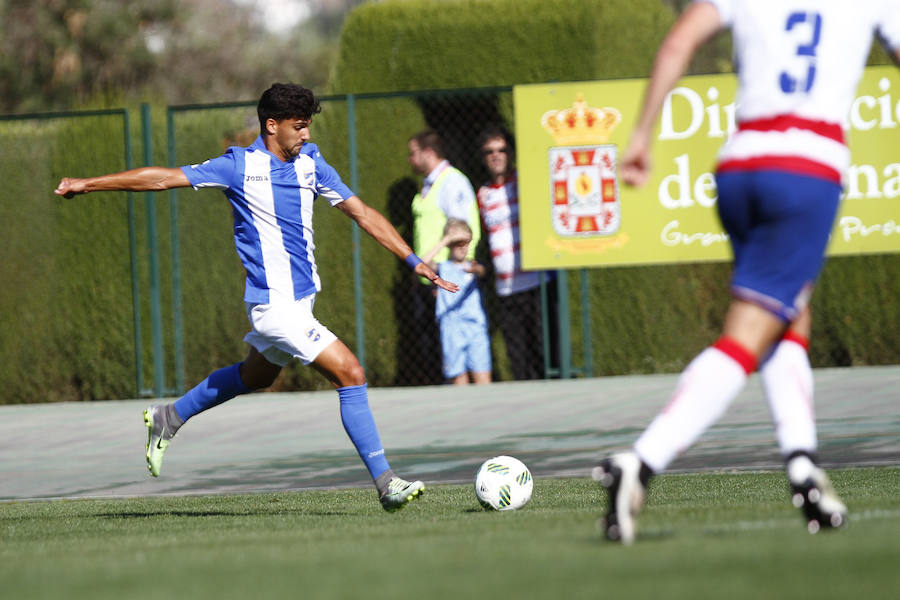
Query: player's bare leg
x=754 y=328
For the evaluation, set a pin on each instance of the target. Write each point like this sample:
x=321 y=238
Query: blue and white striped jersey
x=272 y=203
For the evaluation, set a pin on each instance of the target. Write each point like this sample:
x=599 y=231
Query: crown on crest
x=580 y=124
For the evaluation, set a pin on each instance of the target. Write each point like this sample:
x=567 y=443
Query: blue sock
x=220 y=386
x=360 y=426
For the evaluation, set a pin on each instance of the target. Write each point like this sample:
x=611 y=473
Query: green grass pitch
x=711 y=535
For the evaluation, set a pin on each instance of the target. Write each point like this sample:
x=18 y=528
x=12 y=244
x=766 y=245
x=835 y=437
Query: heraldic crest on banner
x=584 y=191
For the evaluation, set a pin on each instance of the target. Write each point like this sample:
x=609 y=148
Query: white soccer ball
x=503 y=483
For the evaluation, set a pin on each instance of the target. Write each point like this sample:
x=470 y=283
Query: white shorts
x=284 y=330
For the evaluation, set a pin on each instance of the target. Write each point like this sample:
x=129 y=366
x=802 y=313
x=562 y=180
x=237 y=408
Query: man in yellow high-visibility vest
x=446 y=193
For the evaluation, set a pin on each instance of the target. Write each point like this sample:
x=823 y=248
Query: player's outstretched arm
x=374 y=223
x=144 y=179
x=697 y=24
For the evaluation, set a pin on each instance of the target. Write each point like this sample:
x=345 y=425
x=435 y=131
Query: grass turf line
x=731 y=535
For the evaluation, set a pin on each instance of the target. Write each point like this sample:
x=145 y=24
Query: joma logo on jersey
x=313 y=335
x=256 y=177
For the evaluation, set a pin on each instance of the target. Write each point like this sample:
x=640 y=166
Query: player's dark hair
x=286 y=101
x=429 y=139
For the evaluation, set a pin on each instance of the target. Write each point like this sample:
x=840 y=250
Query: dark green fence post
x=135 y=281
x=152 y=246
x=357 y=255
x=176 y=262
x=545 y=327
x=586 y=325
x=565 y=334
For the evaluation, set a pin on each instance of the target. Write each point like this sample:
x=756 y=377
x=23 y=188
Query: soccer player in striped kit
x=779 y=183
x=271 y=185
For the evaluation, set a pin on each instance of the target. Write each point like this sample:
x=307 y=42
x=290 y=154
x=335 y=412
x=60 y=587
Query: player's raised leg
x=340 y=366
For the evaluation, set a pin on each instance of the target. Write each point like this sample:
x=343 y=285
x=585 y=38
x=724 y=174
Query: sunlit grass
x=731 y=535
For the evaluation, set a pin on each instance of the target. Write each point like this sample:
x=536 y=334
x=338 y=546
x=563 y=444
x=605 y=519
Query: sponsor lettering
x=685 y=113
x=675 y=190
x=719 y=120
x=851 y=227
x=868 y=112
x=679 y=189
x=670 y=236
x=863 y=181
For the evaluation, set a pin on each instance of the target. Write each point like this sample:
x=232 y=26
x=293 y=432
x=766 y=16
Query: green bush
x=428 y=44
x=66 y=294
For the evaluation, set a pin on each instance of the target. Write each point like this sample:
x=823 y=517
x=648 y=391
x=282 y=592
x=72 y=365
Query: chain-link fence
x=147 y=288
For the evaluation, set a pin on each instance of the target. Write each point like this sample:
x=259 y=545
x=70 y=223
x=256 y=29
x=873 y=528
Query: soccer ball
x=503 y=483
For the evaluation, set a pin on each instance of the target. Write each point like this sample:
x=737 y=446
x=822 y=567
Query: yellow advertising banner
x=575 y=212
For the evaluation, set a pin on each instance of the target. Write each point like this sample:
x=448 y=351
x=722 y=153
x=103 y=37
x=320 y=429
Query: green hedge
x=66 y=293
x=427 y=44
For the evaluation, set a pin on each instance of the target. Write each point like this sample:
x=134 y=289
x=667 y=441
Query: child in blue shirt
x=465 y=341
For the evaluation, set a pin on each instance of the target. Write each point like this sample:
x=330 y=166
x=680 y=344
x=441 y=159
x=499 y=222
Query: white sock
x=705 y=389
x=788 y=383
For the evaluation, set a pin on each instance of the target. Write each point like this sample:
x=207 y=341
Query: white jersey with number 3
x=799 y=63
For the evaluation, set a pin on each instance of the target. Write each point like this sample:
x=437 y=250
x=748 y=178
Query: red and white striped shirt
x=499 y=208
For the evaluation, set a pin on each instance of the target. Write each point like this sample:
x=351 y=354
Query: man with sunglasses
x=518 y=291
